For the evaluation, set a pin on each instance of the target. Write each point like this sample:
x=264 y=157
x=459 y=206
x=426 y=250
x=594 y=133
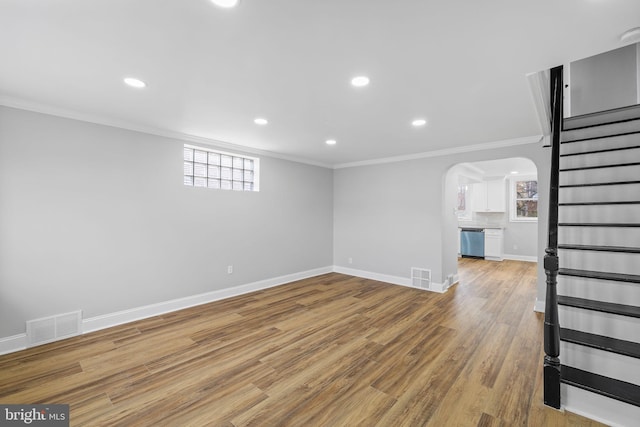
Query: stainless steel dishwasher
x=472 y=242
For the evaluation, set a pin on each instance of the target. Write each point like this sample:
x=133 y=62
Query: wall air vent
x=420 y=278
x=53 y=328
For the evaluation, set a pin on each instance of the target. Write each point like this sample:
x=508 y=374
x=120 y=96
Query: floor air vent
x=48 y=329
x=420 y=278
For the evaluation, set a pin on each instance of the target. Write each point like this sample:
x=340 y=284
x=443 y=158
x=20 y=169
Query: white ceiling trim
x=21 y=104
x=534 y=139
x=90 y=118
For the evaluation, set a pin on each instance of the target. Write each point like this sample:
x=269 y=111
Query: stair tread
x=609 y=387
x=618 y=277
x=601 y=248
x=599 y=224
x=602 y=118
x=605 y=307
x=595 y=184
x=599 y=137
x=613 y=165
x=621 y=202
x=613 y=345
x=605 y=150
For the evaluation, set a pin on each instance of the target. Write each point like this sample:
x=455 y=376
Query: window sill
x=523 y=219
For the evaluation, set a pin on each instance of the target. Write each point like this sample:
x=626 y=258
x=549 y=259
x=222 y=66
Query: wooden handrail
x=551 y=262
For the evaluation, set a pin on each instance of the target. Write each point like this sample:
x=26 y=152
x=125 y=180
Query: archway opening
x=499 y=197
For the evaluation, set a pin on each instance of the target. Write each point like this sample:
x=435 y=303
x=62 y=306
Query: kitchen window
x=524 y=198
x=219 y=170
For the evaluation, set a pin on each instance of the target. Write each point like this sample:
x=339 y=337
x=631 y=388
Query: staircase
x=598 y=246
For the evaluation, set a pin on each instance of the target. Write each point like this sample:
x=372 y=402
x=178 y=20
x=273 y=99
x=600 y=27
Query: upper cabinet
x=490 y=196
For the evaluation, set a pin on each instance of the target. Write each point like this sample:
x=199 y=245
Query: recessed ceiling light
x=632 y=35
x=133 y=82
x=260 y=121
x=225 y=3
x=331 y=142
x=360 y=81
x=418 y=122
x=514 y=172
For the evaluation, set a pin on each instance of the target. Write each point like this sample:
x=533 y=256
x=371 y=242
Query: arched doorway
x=498 y=195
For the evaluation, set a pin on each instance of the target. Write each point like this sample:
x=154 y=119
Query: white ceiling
x=503 y=167
x=210 y=71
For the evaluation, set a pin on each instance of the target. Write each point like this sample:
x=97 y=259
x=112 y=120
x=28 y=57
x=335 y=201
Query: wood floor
x=328 y=351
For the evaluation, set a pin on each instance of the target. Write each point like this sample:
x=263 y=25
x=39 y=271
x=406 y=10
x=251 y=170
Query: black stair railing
x=551 y=264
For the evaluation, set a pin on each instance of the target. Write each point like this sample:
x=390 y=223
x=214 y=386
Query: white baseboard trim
x=13 y=343
x=539 y=306
x=113 y=319
x=440 y=288
x=520 y=257
x=395 y=280
x=18 y=342
x=599 y=408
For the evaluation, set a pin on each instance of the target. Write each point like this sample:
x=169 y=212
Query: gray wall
x=604 y=81
x=382 y=217
x=391 y=217
x=97 y=218
x=520 y=239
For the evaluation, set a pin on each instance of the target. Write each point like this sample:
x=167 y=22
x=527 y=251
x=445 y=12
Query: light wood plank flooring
x=333 y=350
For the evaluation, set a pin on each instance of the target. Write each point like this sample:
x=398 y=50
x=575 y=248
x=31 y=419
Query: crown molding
x=22 y=104
x=447 y=151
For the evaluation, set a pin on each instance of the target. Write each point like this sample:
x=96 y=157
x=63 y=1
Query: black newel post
x=551 y=263
x=551 y=333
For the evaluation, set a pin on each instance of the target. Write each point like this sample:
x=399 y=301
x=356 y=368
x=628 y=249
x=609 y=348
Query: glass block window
x=524 y=197
x=215 y=169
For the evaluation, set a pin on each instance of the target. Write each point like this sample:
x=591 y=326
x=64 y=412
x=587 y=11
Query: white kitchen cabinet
x=490 y=196
x=493 y=244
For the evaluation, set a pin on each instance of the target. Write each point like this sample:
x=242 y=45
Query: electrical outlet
x=229 y=269
x=350 y=260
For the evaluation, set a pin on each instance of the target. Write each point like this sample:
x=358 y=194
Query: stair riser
x=600 y=290
x=605 y=193
x=605 y=130
x=600 y=236
x=601 y=144
x=611 y=262
x=595 y=322
x=597 y=159
x=600 y=213
x=589 y=176
x=608 y=411
x=601 y=362
x=595 y=119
